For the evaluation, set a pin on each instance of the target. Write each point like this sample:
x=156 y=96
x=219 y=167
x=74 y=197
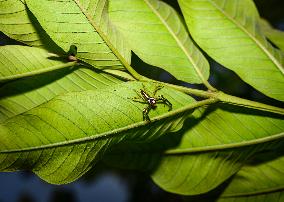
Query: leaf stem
x=191 y=91
x=187 y=108
x=212 y=93
x=223 y=97
x=36 y=72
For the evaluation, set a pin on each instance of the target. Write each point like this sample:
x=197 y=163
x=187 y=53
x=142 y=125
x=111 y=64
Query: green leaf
x=121 y=74
x=260 y=178
x=269 y=197
x=213 y=145
x=157 y=35
x=63 y=138
x=85 y=25
x=18 y=23
x=22 y=95
x=199 y=163
x=22 y=61
x=229 y=32
x=274 y=35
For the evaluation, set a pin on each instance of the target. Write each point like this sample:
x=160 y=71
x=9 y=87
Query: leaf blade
x=77 y=23
x=212 y=146
x=277 y=197
x=236 y=41
x=22 y=61
x=18 y=23
x=22 y=95
x=89 y=126
x=265 y=174
x=274 y=35
x=177 y=54
x=220 y=127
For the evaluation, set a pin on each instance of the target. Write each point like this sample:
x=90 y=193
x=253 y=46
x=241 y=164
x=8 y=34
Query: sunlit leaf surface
x=230 y=33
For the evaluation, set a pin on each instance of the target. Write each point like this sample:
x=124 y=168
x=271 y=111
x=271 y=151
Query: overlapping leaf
x=86 y=25
x=157 y=35
x=229 y=32
x=258 y=179
x=18 y=23
x=21 y=61
x=22 y=95
x=273 y=196
x=214 y=145
x=274 y=35
x=187 y=173
x=62 y=139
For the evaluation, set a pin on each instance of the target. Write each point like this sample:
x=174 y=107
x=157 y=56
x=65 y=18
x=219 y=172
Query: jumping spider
x=150 y=100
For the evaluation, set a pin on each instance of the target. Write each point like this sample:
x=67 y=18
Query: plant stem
x=187 y=108
x=220 y=96
x=191 y=91
x=223 y=97
x=36 y=72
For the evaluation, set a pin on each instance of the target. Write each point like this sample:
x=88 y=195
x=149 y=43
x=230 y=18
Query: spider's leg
x=139 y=95
x=157 y=88
x=137 y=99
x=144 y=88
x=162 y=99
x=146 y=111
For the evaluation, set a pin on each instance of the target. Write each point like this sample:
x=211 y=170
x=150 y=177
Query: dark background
x=108 y=185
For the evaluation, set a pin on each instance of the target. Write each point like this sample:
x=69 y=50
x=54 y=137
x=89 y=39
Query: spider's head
x=152 y=101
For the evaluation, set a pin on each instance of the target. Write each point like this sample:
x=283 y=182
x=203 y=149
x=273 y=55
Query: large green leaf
x=18 y=23
x=259 y=178
x=22 y=95
x=86 y=25
x=157 y=35
x=22 y=61
x=268 y=197
x=213 y=146
x=229 y=32
x=185 y=172
x=63 y=138
x=274 y=35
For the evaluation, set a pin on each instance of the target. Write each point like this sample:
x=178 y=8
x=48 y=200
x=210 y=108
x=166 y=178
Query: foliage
x=62 y=112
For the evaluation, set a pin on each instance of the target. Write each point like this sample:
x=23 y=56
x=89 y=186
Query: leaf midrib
x=168 y=152
x=107 y=42
x=118 y=131
x=260 y=45
x=225 y=146
x=177 y=40
x=37 y=71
